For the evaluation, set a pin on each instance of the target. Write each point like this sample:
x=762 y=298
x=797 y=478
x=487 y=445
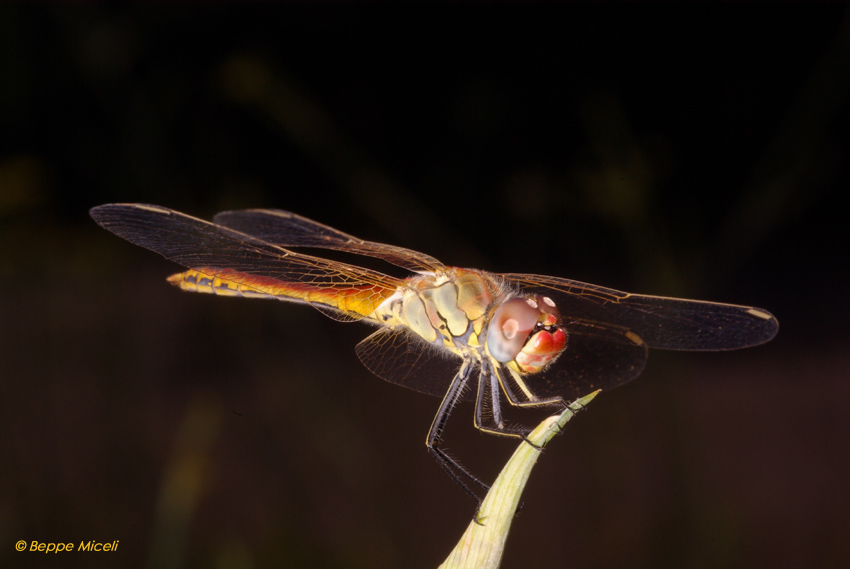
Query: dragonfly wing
x=661 y=322
x=287 y=229
x=234 y=257
x=395 y=355
x=597 y=356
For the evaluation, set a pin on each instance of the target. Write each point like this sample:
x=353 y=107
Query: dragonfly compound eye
x=509 y=328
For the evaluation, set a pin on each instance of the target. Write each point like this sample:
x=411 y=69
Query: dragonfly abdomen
x=210 y=283
x=357 y=301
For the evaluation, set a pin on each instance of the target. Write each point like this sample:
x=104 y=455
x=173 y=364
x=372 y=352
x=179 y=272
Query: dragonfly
x=522 y=339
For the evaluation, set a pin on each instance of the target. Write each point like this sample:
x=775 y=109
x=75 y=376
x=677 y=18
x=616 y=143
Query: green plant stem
x=483 y=543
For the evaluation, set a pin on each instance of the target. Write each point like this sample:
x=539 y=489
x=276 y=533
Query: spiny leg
x=495 y=379
x=454 y=469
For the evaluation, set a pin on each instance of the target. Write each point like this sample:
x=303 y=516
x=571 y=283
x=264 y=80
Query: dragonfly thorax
x=447 y=309
x=471 y=314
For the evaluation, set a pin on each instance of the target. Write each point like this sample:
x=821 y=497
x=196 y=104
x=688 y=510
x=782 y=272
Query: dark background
x=697 y=151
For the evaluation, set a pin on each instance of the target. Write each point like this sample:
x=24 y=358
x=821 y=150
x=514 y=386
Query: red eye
x=546 y=304
x=509 y=328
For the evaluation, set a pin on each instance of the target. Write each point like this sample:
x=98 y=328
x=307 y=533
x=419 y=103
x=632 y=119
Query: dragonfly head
x=526 y=330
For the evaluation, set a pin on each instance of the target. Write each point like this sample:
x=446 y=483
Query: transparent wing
x=267 y=269
x=395 y=355
x=287 y=229
x=598 y=356
x=661 y=322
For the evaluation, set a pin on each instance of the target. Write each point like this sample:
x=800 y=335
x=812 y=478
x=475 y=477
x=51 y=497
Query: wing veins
x=198 y=244
x=287 y=229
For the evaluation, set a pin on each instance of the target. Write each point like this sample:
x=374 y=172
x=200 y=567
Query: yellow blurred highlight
x=22 y=182
x=186 y=479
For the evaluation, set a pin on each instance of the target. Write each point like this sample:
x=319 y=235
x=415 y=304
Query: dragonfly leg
x=506 y=379
x=453 y=468
x=488 y=414
x=488 y=407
